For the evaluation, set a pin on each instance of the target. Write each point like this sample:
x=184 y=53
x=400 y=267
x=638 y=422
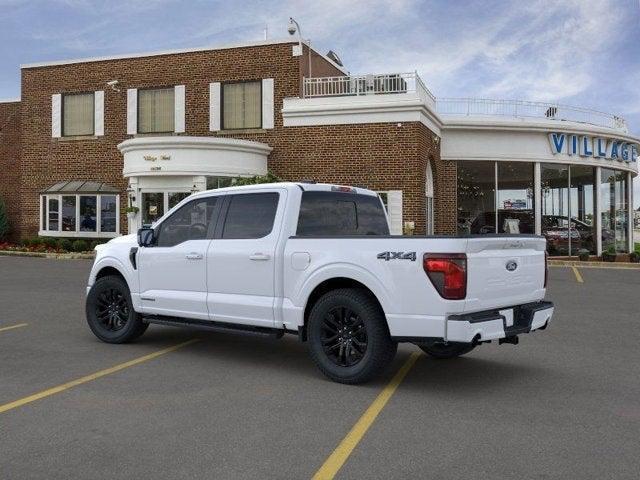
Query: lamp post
x=292 y=29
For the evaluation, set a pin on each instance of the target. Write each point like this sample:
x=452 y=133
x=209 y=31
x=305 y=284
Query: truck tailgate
x=504 y=271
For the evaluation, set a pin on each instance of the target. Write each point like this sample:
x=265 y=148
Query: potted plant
x=610 y=254
x=583 y=255
x=131 y=212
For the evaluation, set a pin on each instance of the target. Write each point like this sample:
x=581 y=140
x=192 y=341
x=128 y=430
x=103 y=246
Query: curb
x=603 y=265
x=55 y=256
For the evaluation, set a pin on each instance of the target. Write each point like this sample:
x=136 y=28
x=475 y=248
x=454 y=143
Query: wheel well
x=327 y=286
x=110 y=271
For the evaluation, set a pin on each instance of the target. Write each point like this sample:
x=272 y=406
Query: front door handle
x=194 y=256
x=259 y=257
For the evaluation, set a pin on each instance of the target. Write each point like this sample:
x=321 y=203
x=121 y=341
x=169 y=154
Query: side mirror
x=146 y=237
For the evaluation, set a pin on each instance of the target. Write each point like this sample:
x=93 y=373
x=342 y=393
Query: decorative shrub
x=26 y=242
x=65 y=244
x=80 y=246
x=49 y=242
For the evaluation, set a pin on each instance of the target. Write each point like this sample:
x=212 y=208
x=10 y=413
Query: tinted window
x=251 y=215
x=337 y=213
x=190 y=222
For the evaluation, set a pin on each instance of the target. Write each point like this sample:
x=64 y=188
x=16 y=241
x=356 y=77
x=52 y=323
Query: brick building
x=90 y=137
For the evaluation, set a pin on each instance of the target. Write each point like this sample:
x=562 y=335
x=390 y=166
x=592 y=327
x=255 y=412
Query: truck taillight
x=448 y=273
x=546 y=268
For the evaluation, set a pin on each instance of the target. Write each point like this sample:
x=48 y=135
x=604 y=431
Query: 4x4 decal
x=397 y=256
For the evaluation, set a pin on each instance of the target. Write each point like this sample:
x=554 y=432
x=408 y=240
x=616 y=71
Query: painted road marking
x=19 y=325
x=94 y=376
x=334 y=463
x=577 y=274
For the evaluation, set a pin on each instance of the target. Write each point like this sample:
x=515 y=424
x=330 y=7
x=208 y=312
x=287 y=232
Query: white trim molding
x=391 y=108
x=56 y=115
x=132 y=111
x=98 y=113
x=215 y=110
x=268 y=107
x=179 y=109
x=183 y=155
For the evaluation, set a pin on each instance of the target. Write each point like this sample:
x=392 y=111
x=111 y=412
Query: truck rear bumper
x=496 y=324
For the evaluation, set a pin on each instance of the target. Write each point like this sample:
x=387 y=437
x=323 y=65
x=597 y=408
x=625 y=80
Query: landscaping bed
x=51 y=247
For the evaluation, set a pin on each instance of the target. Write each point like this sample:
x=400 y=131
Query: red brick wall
x=378 y=156
x=9 y=160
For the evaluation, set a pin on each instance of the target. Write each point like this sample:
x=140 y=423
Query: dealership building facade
x=90 y=137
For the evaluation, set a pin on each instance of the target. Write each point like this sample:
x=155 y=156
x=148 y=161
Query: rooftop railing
x=526 y=109
x=356 y=85
x=399 y=83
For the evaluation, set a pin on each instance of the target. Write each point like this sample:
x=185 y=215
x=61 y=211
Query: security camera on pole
x=292 y=29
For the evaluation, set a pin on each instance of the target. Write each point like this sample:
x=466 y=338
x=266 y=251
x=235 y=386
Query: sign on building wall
x=596 y=147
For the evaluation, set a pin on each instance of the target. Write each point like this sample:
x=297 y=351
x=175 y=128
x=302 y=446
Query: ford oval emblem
x=512 y=265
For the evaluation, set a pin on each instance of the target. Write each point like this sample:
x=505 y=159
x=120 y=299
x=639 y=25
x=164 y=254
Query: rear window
x=341 y=213
x=250 y=215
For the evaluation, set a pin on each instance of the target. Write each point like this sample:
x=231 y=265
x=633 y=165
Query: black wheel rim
x=343 y=336
x=112 y=309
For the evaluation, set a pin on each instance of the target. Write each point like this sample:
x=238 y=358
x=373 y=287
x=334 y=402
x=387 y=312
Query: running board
x=214 y=326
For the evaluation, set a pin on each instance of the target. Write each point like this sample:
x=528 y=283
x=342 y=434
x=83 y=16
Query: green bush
x=26 y=242
x=4 y=221
x=65 y=244
x=95 y=243
x=49 y=242
x=80 y=246
x=268 y=178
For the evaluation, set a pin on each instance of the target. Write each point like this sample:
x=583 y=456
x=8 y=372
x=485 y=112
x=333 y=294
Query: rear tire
x=109 y=311
x=446 y=350
x=348 y=336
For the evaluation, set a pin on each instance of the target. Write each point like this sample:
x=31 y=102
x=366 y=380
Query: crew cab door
x=241 y=260
x=173 y=272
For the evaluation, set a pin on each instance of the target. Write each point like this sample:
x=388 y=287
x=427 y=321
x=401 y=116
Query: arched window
x=429 y=199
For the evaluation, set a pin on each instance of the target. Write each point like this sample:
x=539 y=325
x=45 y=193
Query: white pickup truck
x=317 y=261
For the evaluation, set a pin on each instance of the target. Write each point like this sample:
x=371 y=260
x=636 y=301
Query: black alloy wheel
x=109 y=311
x=344 y=336
x=112 y=310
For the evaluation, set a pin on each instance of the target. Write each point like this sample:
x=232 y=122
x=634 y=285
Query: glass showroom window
x=78 y=114
x=156 y=110
x=476 y=197
x=613 y=201
x=515 y=198
x=79 y=215
x=241 y=105
x=582 y=196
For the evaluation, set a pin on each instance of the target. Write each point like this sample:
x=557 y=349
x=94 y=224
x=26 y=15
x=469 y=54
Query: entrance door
x=242 y=258
x=152 y=207
x=173 y=273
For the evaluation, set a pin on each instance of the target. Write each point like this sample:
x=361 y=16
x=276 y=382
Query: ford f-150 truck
x=317 y=261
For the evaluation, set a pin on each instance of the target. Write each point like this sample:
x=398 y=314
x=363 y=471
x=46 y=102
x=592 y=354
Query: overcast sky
x=581 y=52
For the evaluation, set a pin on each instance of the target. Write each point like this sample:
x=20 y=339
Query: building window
x=78 y=114
x=476 y=197
x=615 y=217
x=241 y=105
x=79 y=216
x=219 y=182
x=156 y=110
x=515 y=198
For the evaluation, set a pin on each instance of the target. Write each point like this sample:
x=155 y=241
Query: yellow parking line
x=577 y=274
x=332 y=465
x=19 y=325
x=94 y=376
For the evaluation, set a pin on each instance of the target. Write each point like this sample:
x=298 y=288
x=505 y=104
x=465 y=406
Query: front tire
x=109 y=311
x=348 y=336
x=446 y=350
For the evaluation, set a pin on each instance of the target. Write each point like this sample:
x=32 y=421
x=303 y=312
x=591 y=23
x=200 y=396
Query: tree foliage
x=268 y=178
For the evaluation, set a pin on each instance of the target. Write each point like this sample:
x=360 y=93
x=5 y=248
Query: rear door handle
x=194 y=256
x=259 y=257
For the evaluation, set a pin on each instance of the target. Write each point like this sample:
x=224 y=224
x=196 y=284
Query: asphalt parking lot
x=564 y=403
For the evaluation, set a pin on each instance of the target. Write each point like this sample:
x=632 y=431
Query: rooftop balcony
x=411 y=83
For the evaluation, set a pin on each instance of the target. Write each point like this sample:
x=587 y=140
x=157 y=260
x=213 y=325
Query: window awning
x=81 y=186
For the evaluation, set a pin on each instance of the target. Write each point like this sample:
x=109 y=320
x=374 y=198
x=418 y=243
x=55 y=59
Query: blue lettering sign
x=573 y=146
x=614 y=150
x=586 y=147
x=557 y=142
x=601 y=147
x=624 y=151
x=634 y=153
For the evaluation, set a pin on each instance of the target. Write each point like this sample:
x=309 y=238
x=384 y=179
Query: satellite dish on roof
x=334 y=56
